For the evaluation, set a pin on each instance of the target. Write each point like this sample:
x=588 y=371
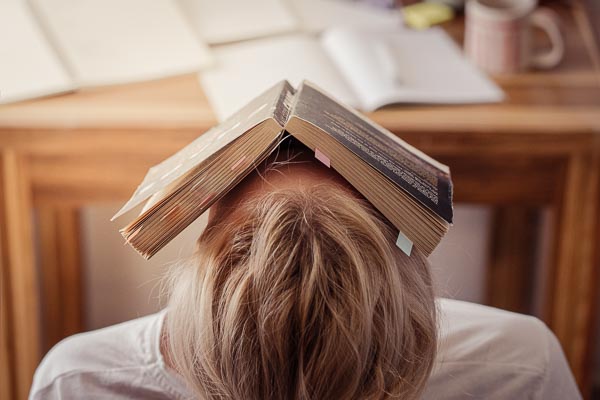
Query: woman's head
x=298 y=292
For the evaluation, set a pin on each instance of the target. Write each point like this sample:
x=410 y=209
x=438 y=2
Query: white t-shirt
x=484 y=353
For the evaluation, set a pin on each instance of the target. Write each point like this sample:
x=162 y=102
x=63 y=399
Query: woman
x=297 y=291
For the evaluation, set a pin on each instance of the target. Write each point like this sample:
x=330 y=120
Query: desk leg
x=6 y=359
x=20 y=312
x=510 y=274
x=572 y=291
x=61 y=273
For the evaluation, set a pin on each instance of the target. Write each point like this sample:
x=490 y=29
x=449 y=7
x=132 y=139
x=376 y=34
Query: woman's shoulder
x=479 y=333
x=128 y=345
x=485 y=350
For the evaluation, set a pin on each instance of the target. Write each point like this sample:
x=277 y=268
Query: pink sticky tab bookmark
x=323 y=158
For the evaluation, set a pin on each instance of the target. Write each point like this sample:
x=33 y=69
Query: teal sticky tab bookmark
x=404 y=244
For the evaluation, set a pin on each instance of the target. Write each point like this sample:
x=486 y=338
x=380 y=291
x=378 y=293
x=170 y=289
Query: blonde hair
x=301 y=294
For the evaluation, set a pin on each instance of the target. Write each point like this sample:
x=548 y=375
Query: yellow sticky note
x=425 y=14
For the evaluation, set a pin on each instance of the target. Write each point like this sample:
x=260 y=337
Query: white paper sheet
x=404 y=66
x=29 y=67
x=245 y=69
x=119 y=41
x=319 y=15
x=223 y=21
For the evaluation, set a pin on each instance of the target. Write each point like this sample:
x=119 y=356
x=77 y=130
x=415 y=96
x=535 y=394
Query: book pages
x=244 y=69
x=200 y=188
x=265 y=106
x=119 y=41
x=386 y=67
x=225 y=21
x=29 y=66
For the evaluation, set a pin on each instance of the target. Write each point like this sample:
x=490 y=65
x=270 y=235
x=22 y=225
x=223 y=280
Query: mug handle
x=549 y=22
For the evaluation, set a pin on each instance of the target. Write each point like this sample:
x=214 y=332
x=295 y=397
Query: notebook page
x=29 y=66
x=225 y=21
x=244 y=69
x=403 y=66
x=119 y=41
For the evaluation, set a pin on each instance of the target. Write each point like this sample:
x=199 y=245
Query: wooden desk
x=538 y=149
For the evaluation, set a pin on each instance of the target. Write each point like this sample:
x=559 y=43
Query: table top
x=564 y=100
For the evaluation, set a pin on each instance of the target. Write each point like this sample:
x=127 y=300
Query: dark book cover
x=406 y=167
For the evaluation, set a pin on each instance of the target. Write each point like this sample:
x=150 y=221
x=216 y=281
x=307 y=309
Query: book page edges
x=262 y=108
x=182 y=187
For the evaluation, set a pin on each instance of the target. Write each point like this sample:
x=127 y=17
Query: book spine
x=284 y=104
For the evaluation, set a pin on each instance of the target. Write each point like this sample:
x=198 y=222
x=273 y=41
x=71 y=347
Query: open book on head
x=365 y=68
x=413 y=191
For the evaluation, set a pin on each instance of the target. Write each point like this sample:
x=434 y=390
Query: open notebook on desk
x=366 y=69
x=52 y=46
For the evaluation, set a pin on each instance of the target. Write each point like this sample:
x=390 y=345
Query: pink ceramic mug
x=498 y=35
